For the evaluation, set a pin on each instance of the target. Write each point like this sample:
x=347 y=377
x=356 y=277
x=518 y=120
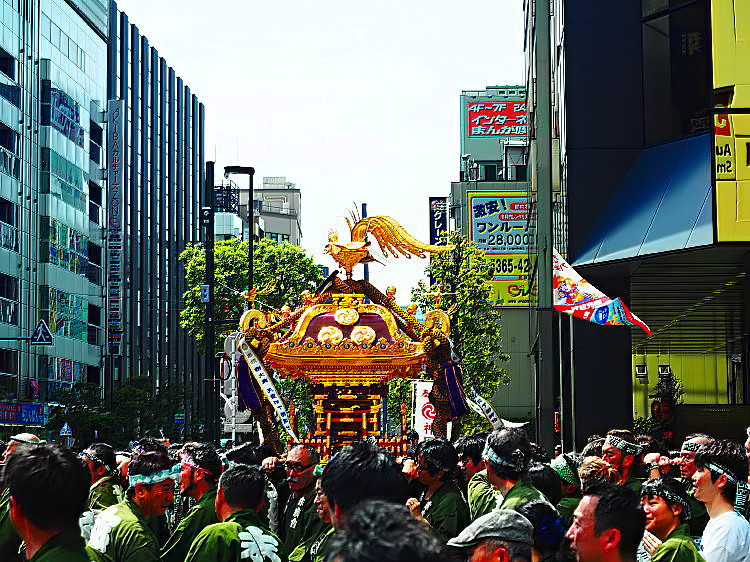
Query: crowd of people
x=487 y=497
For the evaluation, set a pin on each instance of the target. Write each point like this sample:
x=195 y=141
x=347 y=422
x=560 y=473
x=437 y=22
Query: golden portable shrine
x=347 y=349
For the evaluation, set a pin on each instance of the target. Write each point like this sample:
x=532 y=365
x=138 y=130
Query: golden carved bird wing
x=392 y=238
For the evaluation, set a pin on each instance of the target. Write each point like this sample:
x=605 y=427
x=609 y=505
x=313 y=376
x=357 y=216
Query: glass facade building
x=63 y=63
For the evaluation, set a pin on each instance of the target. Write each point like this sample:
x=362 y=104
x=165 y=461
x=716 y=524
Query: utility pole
x=545 y=349
x=207 y=224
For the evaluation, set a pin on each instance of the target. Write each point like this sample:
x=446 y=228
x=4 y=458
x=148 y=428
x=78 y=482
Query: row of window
x=65 y=44
x=277 y=237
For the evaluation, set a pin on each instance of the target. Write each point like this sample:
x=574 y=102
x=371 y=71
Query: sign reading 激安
x=499 y=226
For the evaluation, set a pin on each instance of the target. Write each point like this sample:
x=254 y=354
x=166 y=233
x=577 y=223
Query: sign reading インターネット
x=497 y=119
x=500 y=227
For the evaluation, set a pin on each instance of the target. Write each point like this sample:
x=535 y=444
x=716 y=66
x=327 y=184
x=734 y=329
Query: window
x=8 y=138
x=7 y=212
x=8 y=370
x=8 y=299
x=676 y=53
x=7 y=64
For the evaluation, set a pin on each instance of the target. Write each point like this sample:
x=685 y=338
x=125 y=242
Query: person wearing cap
x=621 y=450
x=667 y=508
x=720 y=482
x=122 y=531
x=9 y=539
x=200 y=468
x=507 y=456
x=441 y=507
x=103 y=492
x=501 y=535
x=566 y=467
x=240 y=535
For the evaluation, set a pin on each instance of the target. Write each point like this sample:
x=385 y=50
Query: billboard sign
x=500 y=227
x=496 y=119
x=23 y=414
x=115 y=186
x=438 y=218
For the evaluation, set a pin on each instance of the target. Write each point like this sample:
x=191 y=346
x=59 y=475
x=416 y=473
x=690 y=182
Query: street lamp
x=249 y=171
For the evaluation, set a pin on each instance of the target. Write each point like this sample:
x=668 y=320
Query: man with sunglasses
x=104 y=491
x=200 y=468
x=300 y=522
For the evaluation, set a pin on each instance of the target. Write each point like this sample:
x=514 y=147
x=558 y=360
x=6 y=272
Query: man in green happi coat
x=299 y=521
x=566 y=466
x=240 y=534
x=359 y=471
x=507 y=457
x=47 y=489
x=442 y=505
x=121 y=531
x=622 y=451
x=482 y=497
x=102 y=463
x=9 y=539
x=200 y=470
x=667 y=508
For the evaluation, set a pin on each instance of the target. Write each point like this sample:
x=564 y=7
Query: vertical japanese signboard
x=497 y=119
x=438 y=221
x=424 y=411
x=115 y=186
x=499 y=226
x=438 y=218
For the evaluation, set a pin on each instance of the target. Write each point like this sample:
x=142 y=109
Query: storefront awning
x=663 y=204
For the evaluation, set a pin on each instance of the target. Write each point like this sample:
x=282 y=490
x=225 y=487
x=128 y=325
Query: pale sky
x=352 y=101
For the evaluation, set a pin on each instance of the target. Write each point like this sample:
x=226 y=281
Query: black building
x=162 y=155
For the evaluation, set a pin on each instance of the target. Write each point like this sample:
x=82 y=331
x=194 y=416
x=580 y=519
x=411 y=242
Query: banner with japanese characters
x=424 y=411
x=572 y=294
x=497 y=119
x=499 y=225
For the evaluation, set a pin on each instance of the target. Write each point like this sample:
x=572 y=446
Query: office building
x=53 y=62
x=279 y=204
x=491 y=197
x=161 y=143
x=646 y=195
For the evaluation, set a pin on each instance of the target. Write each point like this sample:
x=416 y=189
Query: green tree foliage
x=462 y=278
x=288 y=266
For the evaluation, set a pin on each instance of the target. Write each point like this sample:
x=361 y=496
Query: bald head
x=20 y=440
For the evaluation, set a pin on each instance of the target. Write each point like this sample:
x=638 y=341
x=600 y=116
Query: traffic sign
x=179 y=418
x=41 y=335
x=205 y=293
x=66 y=431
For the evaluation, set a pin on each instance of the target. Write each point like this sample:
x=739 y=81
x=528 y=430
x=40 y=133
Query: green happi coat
x=521 y=493
x=446 y=511
x=103 y=494
x=200 y=516
x=220 y=542
x=122 y=533
x=321 y=548
x=68 y=546
x=566 y=507
x=10 y=542
x=307 y=549
x=483 y=498
x=678 y=547
x=300 y=523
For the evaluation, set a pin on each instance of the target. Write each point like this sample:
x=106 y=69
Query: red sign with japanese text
x=497 y=119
